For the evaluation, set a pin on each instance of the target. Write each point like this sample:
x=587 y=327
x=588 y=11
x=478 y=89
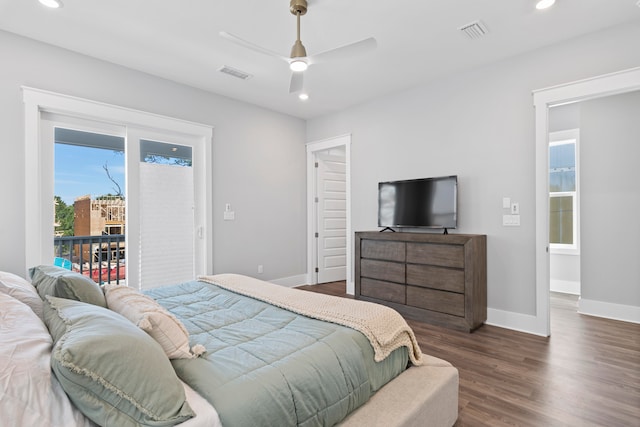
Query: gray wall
x=258 y=155
x=610 y=199
x=480 y=126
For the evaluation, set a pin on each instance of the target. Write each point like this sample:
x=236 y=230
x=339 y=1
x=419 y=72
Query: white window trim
x=569 y=136
x=39 y=174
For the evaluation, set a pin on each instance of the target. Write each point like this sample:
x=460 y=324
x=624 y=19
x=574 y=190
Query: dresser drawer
x=384 y=250
x=445 y=279
x=435 y=254
x=387 y=291
x=382 y=270
x=440 y=301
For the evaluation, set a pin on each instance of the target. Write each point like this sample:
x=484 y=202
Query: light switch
x=515 y=208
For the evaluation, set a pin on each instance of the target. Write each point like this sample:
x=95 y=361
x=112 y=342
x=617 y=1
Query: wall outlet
x=511 y=220
x=260 y=269
x=229 y=215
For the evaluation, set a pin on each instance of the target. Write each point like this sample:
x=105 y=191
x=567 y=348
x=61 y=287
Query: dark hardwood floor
x=586 y=374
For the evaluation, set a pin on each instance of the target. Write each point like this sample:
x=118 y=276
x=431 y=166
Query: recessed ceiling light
x=543 y=4
x=54 y=4
x=303 y=96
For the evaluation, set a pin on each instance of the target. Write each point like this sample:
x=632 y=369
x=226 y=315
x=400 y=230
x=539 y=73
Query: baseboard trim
x=291 y=282
x=565 y=286
x=514 y=321
x=609 y=310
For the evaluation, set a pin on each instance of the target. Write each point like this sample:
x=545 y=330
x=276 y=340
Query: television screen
x=428 y=202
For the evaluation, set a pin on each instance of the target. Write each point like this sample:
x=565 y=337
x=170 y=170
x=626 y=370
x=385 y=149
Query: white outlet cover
x=506 y=202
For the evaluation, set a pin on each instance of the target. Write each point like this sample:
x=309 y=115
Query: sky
x=79 y=171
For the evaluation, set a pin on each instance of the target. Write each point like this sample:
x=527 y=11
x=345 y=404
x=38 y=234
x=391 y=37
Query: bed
x=222 y=350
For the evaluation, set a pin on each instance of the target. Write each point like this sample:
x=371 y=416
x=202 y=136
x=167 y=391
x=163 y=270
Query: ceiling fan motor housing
x=298 y=7
x=298 y=50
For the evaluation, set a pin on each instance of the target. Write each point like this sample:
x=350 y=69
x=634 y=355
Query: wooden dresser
x=434 y=278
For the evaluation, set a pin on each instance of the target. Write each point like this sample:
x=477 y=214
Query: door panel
x=332 y=218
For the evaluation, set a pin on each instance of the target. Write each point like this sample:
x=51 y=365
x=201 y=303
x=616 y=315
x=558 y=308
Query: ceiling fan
x=299 y=60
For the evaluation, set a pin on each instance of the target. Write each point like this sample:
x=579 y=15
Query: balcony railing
x=101 y=258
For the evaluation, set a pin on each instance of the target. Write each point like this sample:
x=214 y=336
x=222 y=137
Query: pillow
x=62 y=283
x=114 y=373
x=21 y=290
x=29 y=394
x=152 y=318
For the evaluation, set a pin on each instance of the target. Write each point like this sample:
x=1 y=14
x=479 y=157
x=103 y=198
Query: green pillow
x=114 y=372
x=62 y=283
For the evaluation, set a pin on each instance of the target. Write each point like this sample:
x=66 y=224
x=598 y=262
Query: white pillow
x=22 y=290
x=29 y=394
x=152 y=318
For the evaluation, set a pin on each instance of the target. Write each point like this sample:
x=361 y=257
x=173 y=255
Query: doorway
x=328 y=214
x=544 y=99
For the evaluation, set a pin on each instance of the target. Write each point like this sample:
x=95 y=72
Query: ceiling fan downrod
x=298 y=8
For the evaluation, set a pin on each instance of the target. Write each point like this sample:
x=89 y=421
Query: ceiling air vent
x=474 y=30
x=234 y=72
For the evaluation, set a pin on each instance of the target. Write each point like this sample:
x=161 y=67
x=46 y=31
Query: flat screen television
x=427 y=202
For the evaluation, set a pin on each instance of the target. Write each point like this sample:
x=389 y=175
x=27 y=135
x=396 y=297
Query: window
x=563 y=192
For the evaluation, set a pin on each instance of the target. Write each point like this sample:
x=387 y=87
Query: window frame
x=570 y=136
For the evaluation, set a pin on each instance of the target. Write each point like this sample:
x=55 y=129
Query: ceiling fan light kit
x=299 y=61
x=298 y=65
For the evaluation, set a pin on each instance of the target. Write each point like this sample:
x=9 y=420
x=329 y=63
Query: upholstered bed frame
x=425 y=395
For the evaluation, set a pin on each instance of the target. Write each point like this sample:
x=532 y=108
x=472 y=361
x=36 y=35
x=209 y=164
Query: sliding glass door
x=164 y=202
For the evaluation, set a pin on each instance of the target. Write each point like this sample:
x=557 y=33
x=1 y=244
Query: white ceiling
x=417 y=41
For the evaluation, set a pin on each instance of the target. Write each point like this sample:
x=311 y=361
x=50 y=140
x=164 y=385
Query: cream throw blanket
x=383 y=326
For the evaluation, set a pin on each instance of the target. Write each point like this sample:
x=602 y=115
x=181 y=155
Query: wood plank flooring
x=586 y=374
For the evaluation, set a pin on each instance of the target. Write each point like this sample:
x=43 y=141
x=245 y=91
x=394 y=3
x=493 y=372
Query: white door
x=166 y=206
x=331 y=216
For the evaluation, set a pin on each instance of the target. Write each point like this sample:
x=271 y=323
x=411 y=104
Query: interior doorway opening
x=329 y=243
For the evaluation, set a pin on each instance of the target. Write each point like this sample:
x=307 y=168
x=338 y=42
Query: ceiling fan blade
x=346 y=51
x=297 y=82
x=252 y=46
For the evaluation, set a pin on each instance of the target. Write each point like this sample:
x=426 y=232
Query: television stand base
x=445 y=231
x=387 y=228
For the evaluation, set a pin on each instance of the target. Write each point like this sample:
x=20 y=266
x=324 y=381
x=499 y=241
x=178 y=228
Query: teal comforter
x=266 y=366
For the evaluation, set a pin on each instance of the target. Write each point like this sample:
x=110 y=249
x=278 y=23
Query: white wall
x=480 y=126
x=258 y=155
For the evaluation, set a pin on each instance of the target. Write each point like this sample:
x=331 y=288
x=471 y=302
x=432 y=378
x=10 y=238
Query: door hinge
x=316 y=200
x=317 y=270
x=317 y=235
x=316 y=164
